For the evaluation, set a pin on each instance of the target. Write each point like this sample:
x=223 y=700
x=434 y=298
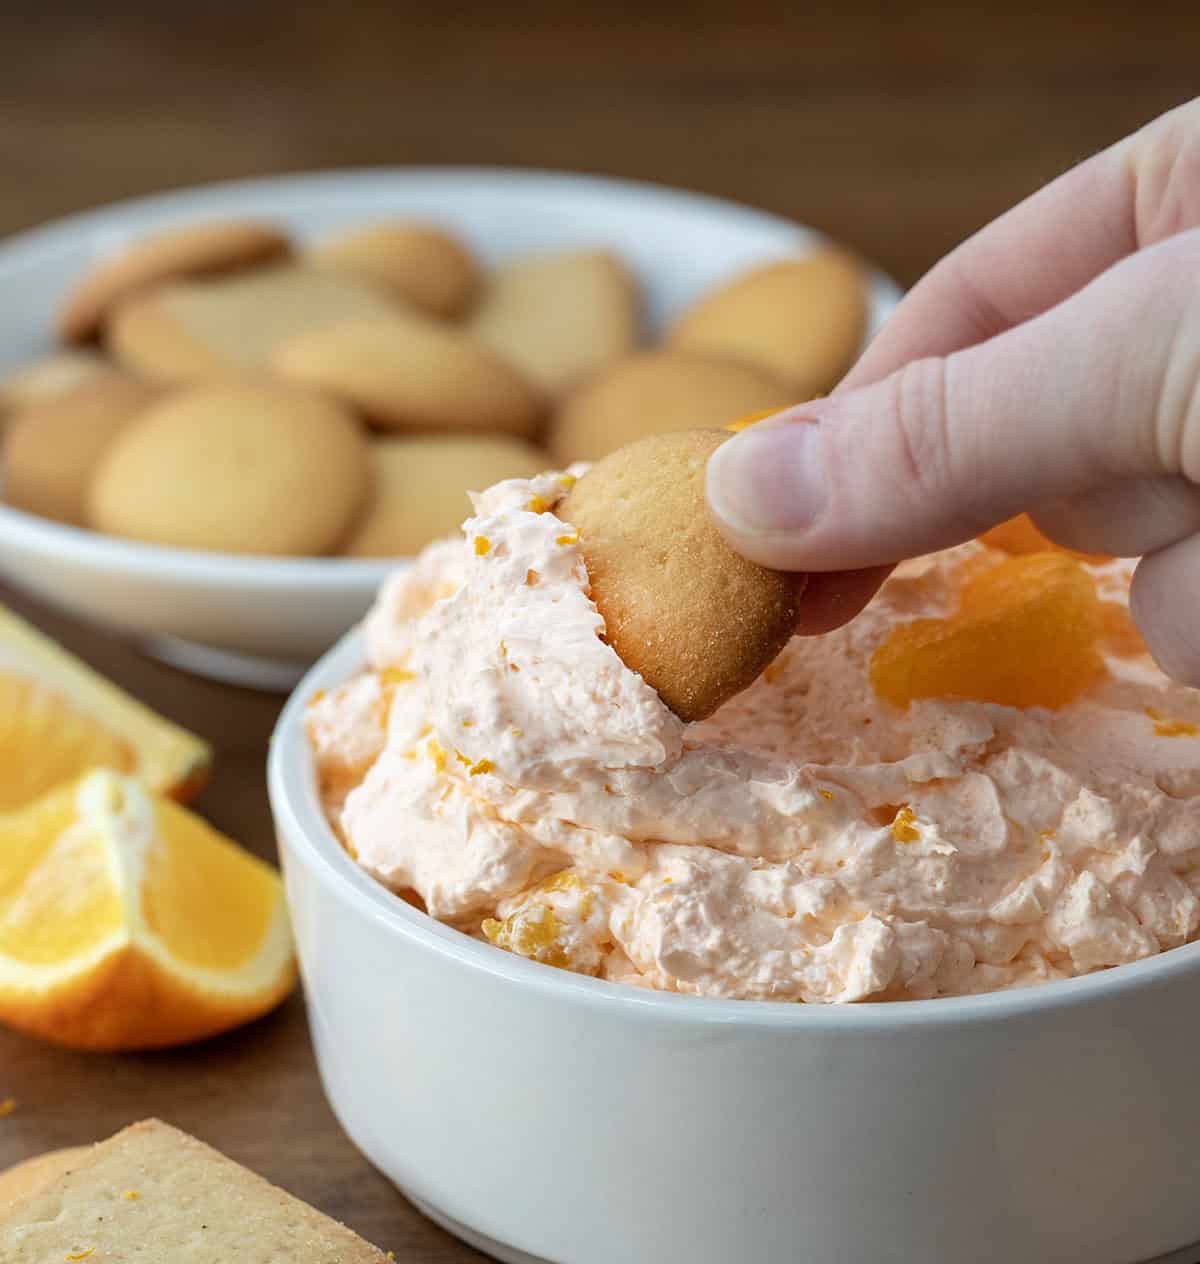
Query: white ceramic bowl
x=262 y=619
x=545 y=1116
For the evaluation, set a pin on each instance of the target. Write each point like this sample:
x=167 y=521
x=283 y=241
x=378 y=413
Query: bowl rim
x=305 y=835
x=155 y=211
x=151 y=561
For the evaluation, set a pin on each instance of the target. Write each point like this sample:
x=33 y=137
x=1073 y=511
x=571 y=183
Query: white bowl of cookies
x=227 y=412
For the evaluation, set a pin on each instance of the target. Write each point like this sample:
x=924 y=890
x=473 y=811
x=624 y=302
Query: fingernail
x=770 y=478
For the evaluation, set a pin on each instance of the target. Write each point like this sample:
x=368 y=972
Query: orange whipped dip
x=813 y=840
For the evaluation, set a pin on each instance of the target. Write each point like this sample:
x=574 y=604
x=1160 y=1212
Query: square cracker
x=154 y=1195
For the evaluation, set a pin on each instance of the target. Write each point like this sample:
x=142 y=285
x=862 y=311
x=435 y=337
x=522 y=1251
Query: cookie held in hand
x=697 y=621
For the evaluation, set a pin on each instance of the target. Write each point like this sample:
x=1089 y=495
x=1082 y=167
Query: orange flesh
x=46 y=742
x=56 y=898
x=203 y=896
x=1026 y=634
x=1019 y=535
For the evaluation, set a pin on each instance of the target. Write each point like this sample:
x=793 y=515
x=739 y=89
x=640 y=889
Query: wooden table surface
x=899 y=134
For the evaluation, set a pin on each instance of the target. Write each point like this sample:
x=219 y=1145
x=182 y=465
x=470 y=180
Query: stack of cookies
x=219 y=387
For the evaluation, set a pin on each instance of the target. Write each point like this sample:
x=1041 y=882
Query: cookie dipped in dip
x=897 y=809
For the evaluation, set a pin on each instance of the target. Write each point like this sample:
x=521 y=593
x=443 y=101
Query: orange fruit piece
x=126 y=922
x=744 y=423
x=58 y=719
x=1020 y=535
x=1026 y=635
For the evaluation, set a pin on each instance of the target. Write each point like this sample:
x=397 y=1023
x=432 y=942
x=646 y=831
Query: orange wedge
x=126 y=922
x=58 y=719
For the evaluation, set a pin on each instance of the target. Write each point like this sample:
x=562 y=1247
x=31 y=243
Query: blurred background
x=897 y=128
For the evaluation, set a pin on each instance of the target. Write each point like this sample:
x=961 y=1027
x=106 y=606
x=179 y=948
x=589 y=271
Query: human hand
x=1051 y=364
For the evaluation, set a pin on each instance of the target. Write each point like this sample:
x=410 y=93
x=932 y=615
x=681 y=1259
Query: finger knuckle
x=922 y=435
x=1166 y=175
x=1176 y=405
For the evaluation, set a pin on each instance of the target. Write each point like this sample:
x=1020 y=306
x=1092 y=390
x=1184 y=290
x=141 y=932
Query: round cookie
x=697 y=621
x=181 y=252
x=410 y=372
x=559 y=317
x=236 y=467
x=802 y=319
x=421 y=487
x=48 y=377
x=51 y=449
x=657 y=392
x=423 y=264
x=32 y=1175
x=222 y=325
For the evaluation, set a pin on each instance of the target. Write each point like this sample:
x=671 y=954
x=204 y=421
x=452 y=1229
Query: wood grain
x=899 y=129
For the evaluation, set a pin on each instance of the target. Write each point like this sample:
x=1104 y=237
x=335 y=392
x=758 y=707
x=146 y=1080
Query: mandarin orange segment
x=1020 y=535
x=744 y=423
x=1026 y=634
x=1121 y=635
x=533 y=931
x=58 y=719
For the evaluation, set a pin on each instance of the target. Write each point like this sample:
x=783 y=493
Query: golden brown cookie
x=559 y=317
x=51 y=449
x=52 y=375
x=421 y=487
x=697 y=621
x=237 y=467
x=182 y=252
x=654 y=393
x=35 y=1174
x=411 y=372
x=802 y=319
x=425 y=265
x=222 y=325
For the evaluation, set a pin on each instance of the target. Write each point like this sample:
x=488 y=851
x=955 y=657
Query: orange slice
x=126 y=922
x=58 y=719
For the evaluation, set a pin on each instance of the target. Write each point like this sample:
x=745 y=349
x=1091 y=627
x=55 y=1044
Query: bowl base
x=276 y=675
x=510 y=1255
x=489 y=1246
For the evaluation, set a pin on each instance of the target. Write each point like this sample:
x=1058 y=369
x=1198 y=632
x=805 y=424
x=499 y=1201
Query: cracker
x=427 y=266
x=48 y=377
x=802 y=319
x=159 y=1196
x=191 y=251
x=657 y=392
x=559 y=317
x=697 y=621
x=410 y=372
x=237 y=467
x=205 y=328
x=36 y=1173
x=421 y=487
x=51 y=449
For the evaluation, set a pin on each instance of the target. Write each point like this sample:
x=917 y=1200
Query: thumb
x=1103 y=388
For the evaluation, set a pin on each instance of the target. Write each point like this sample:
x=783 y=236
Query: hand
x=1051 y=364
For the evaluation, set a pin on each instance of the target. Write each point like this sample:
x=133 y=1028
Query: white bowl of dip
x=544 y=1116
x=264 y=620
